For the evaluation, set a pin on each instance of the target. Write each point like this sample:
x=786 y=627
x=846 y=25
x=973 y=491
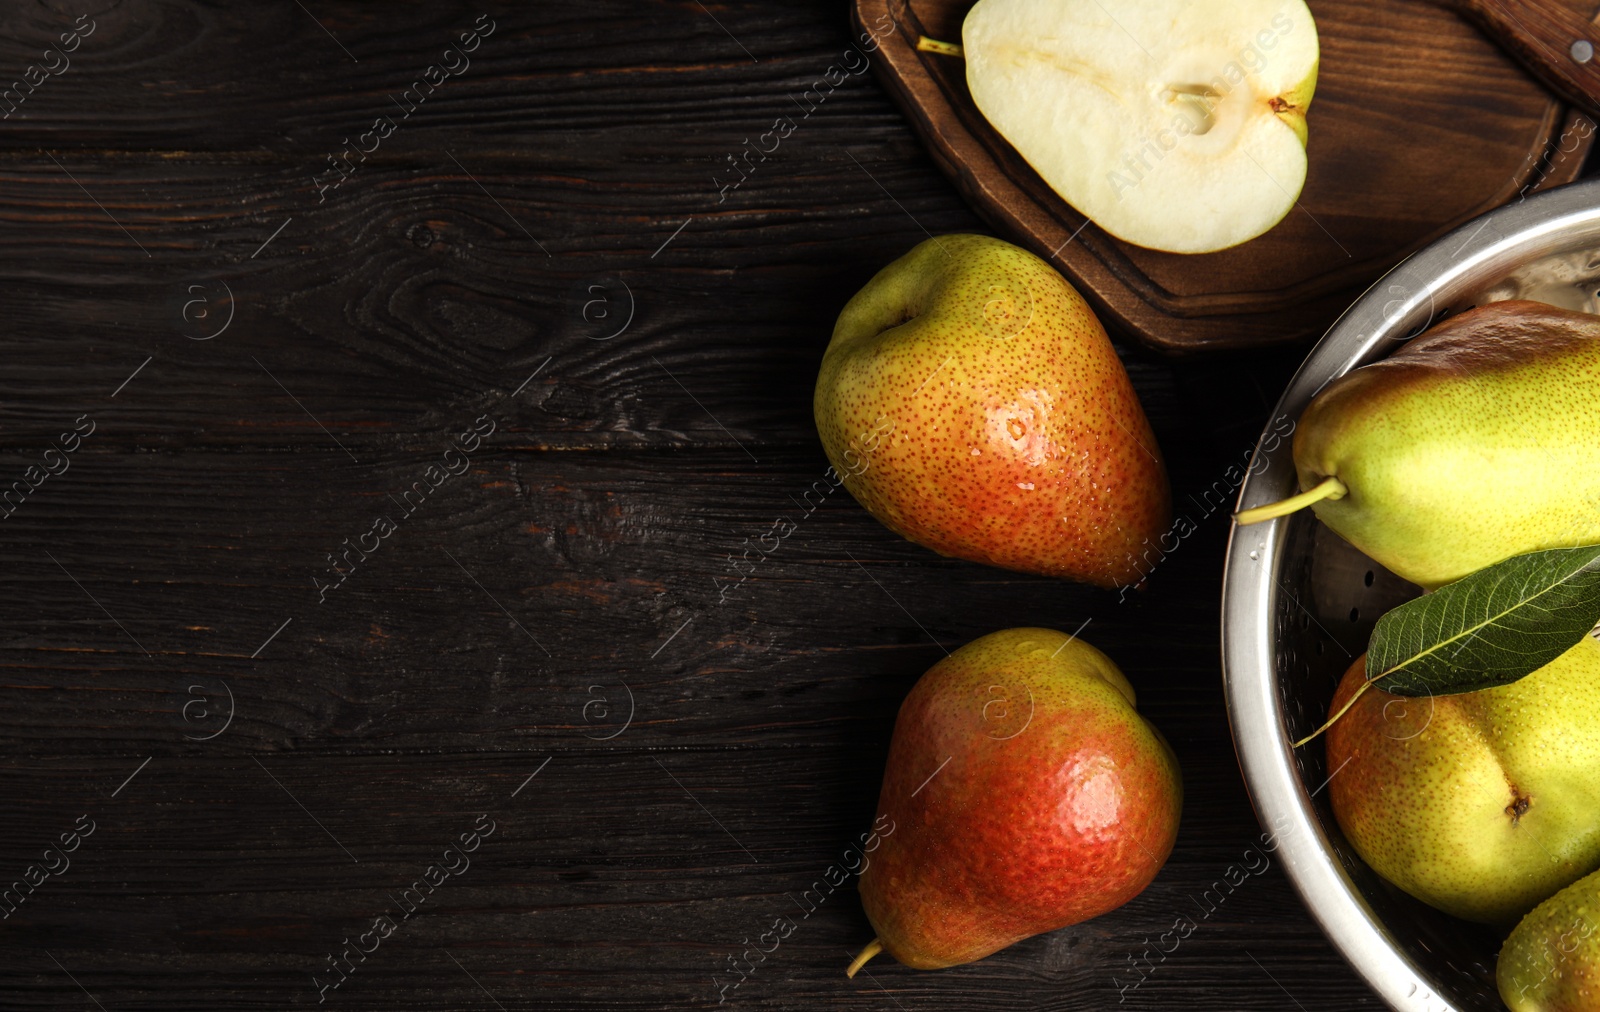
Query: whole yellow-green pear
x=1551 y=962
x=1479 y=803
x=1475 y=442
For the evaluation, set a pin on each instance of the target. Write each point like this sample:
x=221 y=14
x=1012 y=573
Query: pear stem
x=1331 y=720
x=872 y=949
x=1331 y=488
x=927 y=45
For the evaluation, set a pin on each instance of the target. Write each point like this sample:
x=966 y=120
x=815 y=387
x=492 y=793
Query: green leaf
x=1490 y=628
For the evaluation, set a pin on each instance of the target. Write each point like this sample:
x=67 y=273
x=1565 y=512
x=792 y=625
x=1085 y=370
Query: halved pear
x=1171 y=124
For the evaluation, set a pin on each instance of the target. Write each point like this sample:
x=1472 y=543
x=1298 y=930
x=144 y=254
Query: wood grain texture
x=1547 y=36
x=153 y=578
x=1418 y=123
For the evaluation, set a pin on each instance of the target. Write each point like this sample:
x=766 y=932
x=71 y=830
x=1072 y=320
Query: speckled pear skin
x=1048 y=812
x=1481 y=803
x=971 y=402
x=1551 y=962
x=1475 y=442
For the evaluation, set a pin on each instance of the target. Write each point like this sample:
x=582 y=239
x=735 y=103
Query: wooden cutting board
x=1419 y=122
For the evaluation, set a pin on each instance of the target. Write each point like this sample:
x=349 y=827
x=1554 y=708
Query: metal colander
x=1299 y=603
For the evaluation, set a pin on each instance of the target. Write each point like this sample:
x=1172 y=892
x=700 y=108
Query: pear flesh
x=1174 y=125
x=1477 y=441
x=1551 y=962
x=1481 y=804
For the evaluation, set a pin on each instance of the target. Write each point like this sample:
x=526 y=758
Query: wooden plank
x=446 y=311
x=169 y=78
x=605 y=884
x=528 y=578
x=417 y=339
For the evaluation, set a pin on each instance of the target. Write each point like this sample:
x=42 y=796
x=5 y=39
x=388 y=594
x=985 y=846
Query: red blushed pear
x=970 y=400
x=1027 y=794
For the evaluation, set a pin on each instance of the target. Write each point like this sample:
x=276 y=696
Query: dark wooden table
x=533 y=279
